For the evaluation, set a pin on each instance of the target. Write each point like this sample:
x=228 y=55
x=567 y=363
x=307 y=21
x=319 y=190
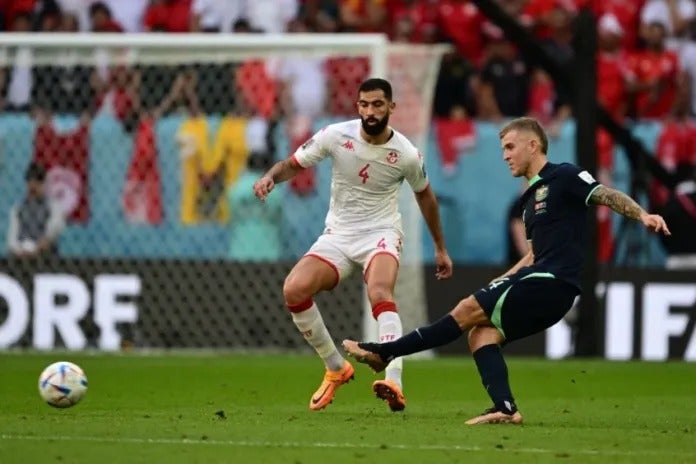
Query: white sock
x=390 y=329
x=311 y=325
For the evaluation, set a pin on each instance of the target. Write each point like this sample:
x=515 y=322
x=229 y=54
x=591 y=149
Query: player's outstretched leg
x=308 y=277
x=447 y=329
x=379 y=355
x=484 y=344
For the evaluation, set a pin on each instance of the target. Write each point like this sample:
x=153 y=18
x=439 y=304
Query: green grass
x=161 y=409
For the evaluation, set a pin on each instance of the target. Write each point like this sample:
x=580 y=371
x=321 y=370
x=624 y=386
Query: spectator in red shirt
x=658 y=77
x=413 y=20
x=613 y=67
x=540 y=15
x=628 y=15
x=168 y=16
x=613 y=78
x=461 y=23
x=626 y=12
x=676 y=152
x=12 y=8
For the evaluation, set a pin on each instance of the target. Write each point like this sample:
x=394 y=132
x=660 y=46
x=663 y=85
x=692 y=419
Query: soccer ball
x=62 y=384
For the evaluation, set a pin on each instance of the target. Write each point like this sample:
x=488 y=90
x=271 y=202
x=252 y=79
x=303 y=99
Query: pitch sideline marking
x=330 y=445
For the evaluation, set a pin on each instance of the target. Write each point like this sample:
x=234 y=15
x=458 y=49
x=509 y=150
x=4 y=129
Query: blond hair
x=529 y=125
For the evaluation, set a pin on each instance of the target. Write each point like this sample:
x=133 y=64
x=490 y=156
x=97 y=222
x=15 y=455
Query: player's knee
x=468 y=313
x=297 y=290
x=472 y=336
x=480 y=336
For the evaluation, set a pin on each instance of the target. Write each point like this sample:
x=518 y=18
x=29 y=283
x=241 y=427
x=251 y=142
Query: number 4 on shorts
x=497 y=282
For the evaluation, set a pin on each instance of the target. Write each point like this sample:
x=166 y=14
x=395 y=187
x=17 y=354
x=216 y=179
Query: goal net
x=147 y=147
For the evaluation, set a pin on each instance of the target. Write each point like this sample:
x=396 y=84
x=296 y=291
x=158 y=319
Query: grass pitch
x=253 y=409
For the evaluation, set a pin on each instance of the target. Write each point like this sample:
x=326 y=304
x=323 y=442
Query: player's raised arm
x=627 y=206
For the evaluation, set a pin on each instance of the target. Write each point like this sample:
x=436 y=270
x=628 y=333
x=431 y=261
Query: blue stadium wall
x=474 y=199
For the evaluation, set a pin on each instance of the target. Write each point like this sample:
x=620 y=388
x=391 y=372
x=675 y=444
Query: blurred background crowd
x=646 y=65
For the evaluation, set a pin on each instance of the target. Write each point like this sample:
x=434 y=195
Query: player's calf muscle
x=379 y=293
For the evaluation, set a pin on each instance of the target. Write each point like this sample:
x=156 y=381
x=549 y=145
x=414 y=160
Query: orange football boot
x=390 y=392
x=332 y=380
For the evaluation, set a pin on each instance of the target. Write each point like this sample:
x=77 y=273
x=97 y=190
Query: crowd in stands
x=646 y=64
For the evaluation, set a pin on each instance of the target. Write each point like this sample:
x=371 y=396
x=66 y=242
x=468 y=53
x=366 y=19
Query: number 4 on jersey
x=363 y=173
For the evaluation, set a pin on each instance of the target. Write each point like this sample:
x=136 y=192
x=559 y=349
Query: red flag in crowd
x=142 y=199
x=454 y=136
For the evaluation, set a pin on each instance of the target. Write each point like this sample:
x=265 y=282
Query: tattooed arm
x=627 y=206
x=618 y=201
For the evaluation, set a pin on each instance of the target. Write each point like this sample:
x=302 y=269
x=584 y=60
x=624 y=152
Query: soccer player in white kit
x=363 y=228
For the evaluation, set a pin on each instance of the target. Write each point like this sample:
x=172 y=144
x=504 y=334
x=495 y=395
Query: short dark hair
x=35 y=172
x=99 y=7
x=529 y=125
x=375 y=83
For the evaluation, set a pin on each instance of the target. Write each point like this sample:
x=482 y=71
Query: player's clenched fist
x=263 y=187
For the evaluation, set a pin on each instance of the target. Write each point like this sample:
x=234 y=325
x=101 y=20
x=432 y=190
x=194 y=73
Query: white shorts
x=344 y=252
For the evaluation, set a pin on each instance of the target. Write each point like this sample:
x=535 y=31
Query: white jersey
x=365 y=178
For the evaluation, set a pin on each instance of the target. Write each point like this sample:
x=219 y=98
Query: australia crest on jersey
x=392 y=157
x=541 y=193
